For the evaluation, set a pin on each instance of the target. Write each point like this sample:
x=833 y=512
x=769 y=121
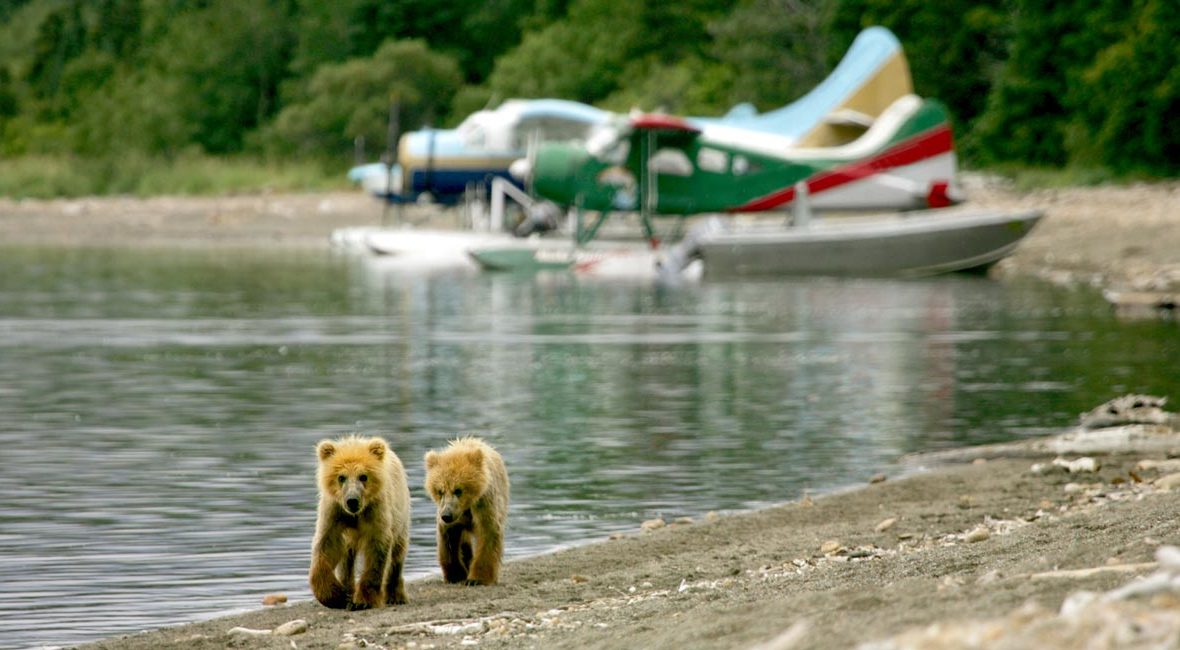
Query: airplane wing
x=664 y=124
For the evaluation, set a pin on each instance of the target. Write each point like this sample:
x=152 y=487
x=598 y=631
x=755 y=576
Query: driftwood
x=1077 y=574
x=1132 y=438
x=1128 y=409
x=1128 y=424
x=451 y=626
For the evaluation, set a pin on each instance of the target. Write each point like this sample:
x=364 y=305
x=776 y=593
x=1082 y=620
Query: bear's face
x=455 y=480
x=350 y=471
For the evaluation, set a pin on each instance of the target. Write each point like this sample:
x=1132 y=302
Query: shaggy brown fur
x=469 y=483
x=364 y=511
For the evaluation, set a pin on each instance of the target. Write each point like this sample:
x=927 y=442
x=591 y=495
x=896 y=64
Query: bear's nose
x=447 y=516
x=353 y=504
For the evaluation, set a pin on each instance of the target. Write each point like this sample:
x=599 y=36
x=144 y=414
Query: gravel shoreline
x=979 y=549
x=999 y=544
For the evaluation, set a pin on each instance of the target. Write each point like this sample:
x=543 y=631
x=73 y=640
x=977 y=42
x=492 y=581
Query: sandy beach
x=989 y=547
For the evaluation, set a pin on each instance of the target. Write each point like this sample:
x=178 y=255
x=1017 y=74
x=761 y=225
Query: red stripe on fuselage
x=920 y=147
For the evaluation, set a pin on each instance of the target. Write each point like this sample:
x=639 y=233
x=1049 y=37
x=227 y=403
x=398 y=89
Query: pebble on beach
x=978 y=534
x=1078 y=465
x=830 y=546
x=1168 y=481
x=885 y=524
x=652 y=524
x=274 y=599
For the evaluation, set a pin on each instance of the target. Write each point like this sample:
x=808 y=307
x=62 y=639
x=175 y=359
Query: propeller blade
x=522 y=170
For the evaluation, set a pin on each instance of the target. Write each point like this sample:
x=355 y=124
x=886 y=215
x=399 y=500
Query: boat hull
x=906 y=246
x=614 y=260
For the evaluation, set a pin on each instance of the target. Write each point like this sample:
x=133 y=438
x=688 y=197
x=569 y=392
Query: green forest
x=144 y=96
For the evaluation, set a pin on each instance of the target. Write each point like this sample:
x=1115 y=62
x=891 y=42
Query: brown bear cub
x=364 y=511
x=469 y=483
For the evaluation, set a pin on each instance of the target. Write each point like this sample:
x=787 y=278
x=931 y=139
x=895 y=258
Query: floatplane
x=859 y=141
x=443 y=165
x=450 y=166
x=661 y=165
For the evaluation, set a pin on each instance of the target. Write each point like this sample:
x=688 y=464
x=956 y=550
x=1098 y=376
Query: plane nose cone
x=555 y=169
x=521 y=169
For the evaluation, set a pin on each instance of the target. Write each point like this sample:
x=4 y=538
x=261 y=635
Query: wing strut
x=648 y=195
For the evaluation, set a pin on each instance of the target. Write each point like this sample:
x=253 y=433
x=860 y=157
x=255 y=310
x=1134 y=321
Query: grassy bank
x=1026 y=178
x=54 y=176
x=45 y=177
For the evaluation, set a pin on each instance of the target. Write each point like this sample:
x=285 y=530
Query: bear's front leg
x=450 y=556
x=348 y=567
x=395 y=587
x=369 y=586
x=488 y=551
x=327 y=552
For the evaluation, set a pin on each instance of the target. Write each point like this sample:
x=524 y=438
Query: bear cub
x=364 y=511
x=469 y=483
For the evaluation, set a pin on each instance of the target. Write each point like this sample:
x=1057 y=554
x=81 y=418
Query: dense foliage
x=1082 y=83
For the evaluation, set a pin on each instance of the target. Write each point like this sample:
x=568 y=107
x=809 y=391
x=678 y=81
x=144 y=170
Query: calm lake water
x=158 y=411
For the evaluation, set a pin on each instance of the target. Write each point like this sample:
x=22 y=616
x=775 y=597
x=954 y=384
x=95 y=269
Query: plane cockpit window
x=712 y=160
x=474 y=136
x=673 y=162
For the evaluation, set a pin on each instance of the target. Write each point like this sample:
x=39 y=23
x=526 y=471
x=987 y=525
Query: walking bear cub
x=364 y=511
x=469 y=483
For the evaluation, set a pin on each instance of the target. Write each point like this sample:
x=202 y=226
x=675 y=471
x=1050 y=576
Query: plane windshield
x=607 y=144
x=473 y=136
x=548 y=130
x=673 y=162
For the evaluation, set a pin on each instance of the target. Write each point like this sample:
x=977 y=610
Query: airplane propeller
x=522 y=168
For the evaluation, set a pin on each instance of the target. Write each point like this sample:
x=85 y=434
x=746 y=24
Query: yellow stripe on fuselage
x=409 y=160
x=458 y=163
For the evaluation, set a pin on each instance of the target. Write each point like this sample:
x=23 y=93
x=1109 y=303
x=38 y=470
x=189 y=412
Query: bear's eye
x=458 y=492
x=340 y=479
x=363 y=478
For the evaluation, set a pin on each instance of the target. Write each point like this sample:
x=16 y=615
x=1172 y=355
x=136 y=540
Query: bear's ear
x=475 y=457
x=431 y=460
x=378 y=447
x=325 y=449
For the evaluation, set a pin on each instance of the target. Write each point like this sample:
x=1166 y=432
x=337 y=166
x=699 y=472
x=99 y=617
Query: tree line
x=1081 y=83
